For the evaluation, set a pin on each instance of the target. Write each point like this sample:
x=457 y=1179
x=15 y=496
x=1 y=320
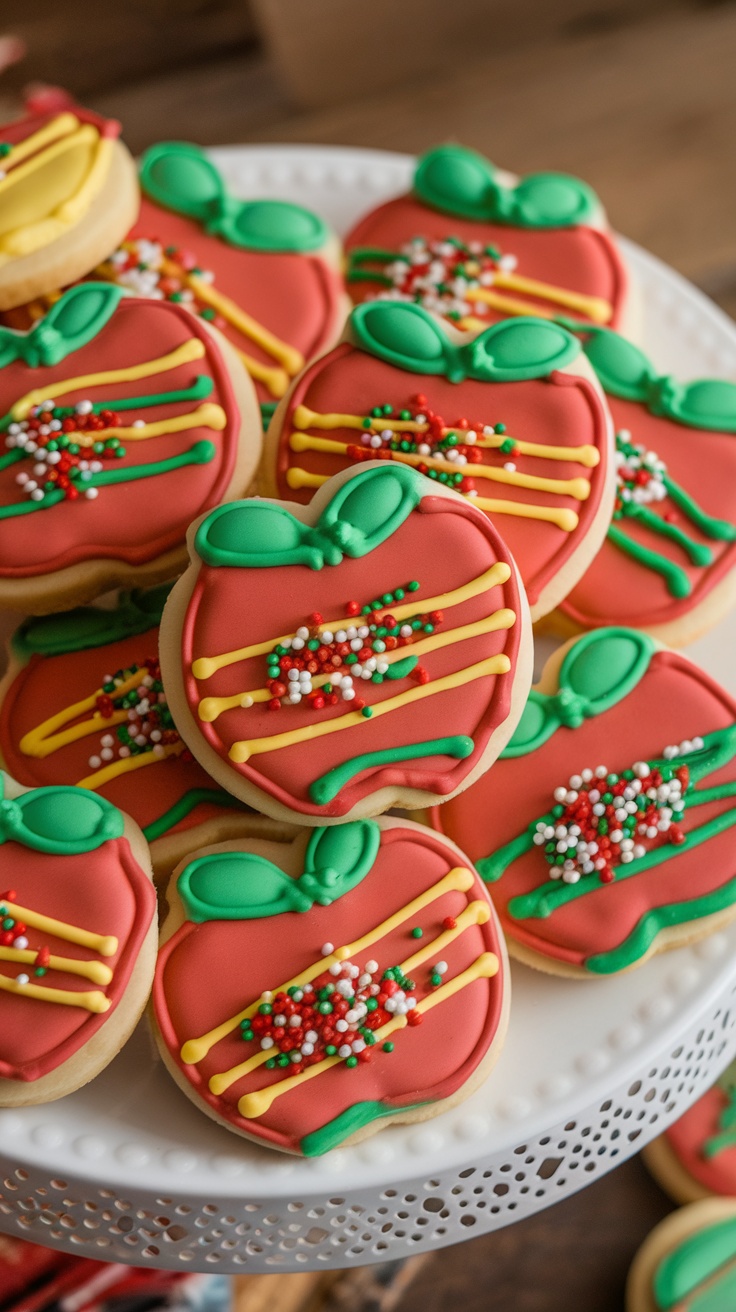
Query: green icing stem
x=268 y=409
x=349 y=1122
x=708 y=1253
x=653 y=922
x=328 y=785
x=676 y=579
x=184 y=807
x=697 y=551
x=199 y=454
x=555 y=893
x=719 y=529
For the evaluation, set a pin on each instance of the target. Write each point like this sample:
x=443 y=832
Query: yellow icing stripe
x=287 y=355
x=253 y=1105
x=94 y=970
x=475 y=913
x=593 y=307
x=128 y=764
x=105 y=944
x=572 y=487
x=42 y=155
x=194 y=349
x=565 y=519
x=588 y=456
x=211 y=707
x=240 y=752
x=92 y=1001
x=457 y=880
x=208 y=415
x=276 y=380
x=205 y=666
x=60 y=126
x=44 y=740
x=51 y=223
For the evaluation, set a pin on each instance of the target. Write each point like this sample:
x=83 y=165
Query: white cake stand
x=128 y=1170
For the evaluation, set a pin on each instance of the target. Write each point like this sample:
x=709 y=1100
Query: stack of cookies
x=274 y=642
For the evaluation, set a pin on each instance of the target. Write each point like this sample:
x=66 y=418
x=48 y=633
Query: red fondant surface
x=297 y=297
x=563 y=410
x=443 y=544
x=209 y=972
x=674 y=701
x=580 y=259
x=104 y=891
x=133 y=522
x=49 y=684
x=618 y=590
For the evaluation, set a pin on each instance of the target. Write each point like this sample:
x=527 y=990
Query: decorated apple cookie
x=513 y=419
x=120 y=420
x=310 y=992
x=330 y=661
x=68 y=194
x=696 y=1157
x=688 y=1262
x=476 y=244
x=82 y=703
x=668 y=563
x=77 y=941
x=606 y=831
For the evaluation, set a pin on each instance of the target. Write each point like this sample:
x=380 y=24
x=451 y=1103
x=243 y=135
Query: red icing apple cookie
x=668 y=563
x=696 y=1157
x=309 y=993
x=78 y=942
x=514 y=420
x=68 y=194
x=82 y=703
x=606 y=831
x=476 y=244
x=120 y=420
x=328 y=662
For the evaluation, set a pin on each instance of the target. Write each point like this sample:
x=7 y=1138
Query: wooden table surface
x=646 y=112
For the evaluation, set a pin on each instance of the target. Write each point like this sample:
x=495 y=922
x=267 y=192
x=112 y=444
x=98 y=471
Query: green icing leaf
x=73 y=321
x=518 y=349
x=697 y=1258
x=625 y=371
x=252 y=534
x=461 y=182
x=600 y=670
x=182 y=178
x=404 y=334
x=243 y=886
x=365 y=510
x=91 y=626
x=368 y=508
x=409 y=337
x=64 y=821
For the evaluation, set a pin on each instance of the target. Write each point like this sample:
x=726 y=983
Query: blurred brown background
x=637 y=96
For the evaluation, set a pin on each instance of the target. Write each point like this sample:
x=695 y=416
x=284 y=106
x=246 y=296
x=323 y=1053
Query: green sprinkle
x=417 y=932
x=351 y=1061
x=387 y=1047
x=500 y=428
x=331 y=1050
x=265 y=1009
x=207 y=313
x=367 y=712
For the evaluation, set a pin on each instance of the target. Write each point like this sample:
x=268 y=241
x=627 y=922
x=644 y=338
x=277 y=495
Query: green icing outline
x=200 y=389
x=332 y=867
x=364 y=511
x=626 y=372
x=16 y=812
x=329 y=784
x=341 y=1127
x=573 y=702
x=74 y=320
x=464 y=183
x=182 y=178
x=407 y=336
